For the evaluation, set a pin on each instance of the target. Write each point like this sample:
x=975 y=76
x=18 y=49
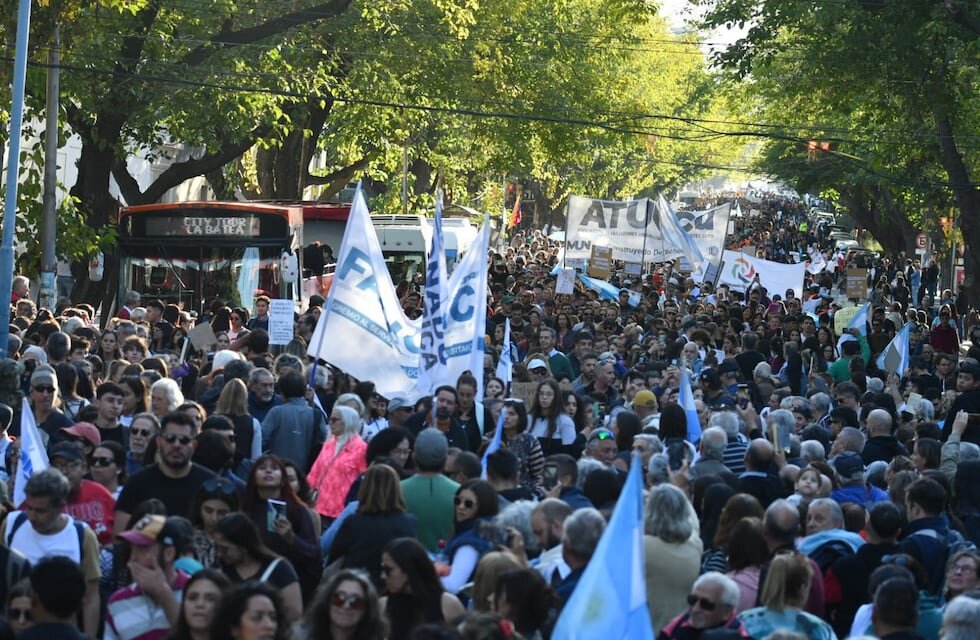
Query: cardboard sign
x=202 y=337
x=634 y=268
x=600 y=264
x=566 y=282
x=843 y=317
x=524 y=391
x=857 y=283
x=281 y=323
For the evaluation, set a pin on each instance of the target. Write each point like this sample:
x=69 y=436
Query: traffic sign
x=921 y=241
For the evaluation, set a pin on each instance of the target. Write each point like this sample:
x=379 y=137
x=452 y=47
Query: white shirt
x=564 y=429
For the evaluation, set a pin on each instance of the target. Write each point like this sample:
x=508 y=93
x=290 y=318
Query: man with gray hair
x=820 y=409
x=849 y=439
x=43 y=529
x=881 y=444
x=827 y=540
x=580 y=538
x=961 y=619
x=714 y=441
x=713 y=603
x=812 y=451
x=734 y=455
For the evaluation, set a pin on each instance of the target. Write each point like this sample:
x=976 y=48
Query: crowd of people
x=245 y=492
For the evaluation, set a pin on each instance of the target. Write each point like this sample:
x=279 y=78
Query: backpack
x=951 y=543
x=21 y=518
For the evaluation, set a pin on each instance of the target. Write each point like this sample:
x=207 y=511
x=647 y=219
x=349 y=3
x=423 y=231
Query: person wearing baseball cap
x=150 y=606
x=645 y=404
x=84 y=433
x=88 y=501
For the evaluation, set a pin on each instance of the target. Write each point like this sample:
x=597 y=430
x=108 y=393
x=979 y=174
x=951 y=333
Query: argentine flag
x=895 y=357
x=860 y=320
x=610 y=601
x=685 y=398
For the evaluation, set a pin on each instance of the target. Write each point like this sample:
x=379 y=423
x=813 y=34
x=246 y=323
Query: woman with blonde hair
x=233 y=404
x=491 y=566
x=784 y=595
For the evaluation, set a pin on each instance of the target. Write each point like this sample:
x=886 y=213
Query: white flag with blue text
x=465 y=308
x=505 y=367
x=363 y=329
x=33 y=457
x=432 y=346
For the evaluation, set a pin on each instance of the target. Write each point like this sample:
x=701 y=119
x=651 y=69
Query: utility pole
x=49 y=203
x=13 y=166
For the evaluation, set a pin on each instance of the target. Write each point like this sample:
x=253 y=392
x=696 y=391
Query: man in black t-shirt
x=175 y=480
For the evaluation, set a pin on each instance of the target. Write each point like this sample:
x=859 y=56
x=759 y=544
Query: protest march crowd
x=788 y=476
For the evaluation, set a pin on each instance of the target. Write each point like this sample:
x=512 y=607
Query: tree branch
x=344 y=173
x=180 y=171
x=226 y=38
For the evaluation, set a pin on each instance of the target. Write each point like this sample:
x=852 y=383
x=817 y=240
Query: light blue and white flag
x=607 y=291
x=363 y=329
x=860 y=320
x=33 y=457
x=505 y=367
x=895 y=357
x=432 y=359
x=495 y=441
x=685 y=398
x=673 y=232
x=610 y=600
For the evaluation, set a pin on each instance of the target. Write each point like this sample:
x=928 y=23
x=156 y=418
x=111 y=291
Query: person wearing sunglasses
x=711 y=605
x=476 y=503
x=18 y=610
x=174 y=479
x=346 y=607
x=45 y=401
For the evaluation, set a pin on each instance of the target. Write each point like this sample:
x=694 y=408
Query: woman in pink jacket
x=340 y=462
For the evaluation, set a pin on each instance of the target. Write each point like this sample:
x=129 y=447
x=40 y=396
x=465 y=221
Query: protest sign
x=600 y=262
x=281 y=323
x=565 y=285
x=857 y=283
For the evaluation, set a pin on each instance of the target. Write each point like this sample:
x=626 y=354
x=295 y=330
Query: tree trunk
x=92 y=191
x=967 y=198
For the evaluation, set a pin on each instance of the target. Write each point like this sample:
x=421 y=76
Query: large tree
x=891 y=87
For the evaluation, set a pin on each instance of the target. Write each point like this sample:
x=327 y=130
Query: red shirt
x=95 y=506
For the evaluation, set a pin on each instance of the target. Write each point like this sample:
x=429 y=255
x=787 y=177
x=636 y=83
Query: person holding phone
x=283 y=521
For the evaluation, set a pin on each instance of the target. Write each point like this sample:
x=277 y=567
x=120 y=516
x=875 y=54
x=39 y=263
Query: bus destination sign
x=237 y=226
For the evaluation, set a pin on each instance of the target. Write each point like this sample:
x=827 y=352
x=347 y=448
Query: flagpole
x=646 y=231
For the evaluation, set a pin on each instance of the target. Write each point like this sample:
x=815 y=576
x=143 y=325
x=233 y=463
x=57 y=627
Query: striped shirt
x=734 y=456
x=130 y=615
